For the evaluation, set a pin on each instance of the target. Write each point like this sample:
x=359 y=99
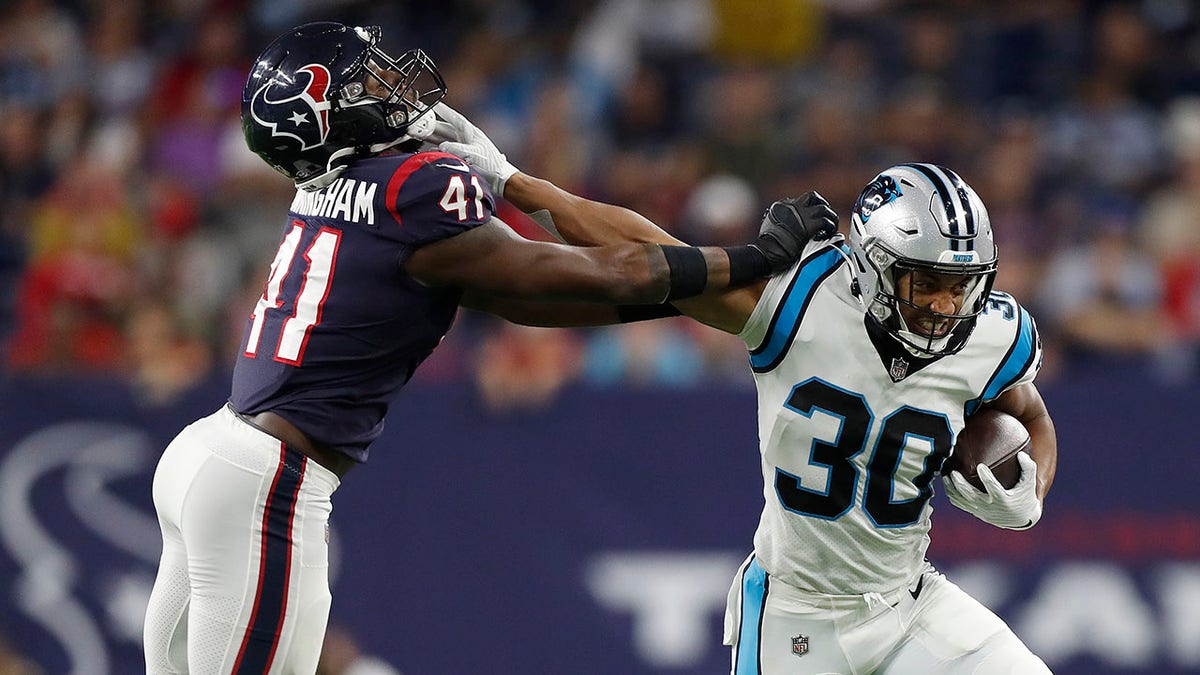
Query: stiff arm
x=584 y=222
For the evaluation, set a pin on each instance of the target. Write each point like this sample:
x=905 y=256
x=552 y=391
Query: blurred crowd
x=137 y=229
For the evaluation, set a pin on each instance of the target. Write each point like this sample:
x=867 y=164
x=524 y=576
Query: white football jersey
x=853 y=435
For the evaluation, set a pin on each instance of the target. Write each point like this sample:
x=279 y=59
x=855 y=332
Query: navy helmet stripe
x=943 y=191
x=1016 y=362
x=962 y=230
x=275 y=567
x=787 y=318
x=960 y=188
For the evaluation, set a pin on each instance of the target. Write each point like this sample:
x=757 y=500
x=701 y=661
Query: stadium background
x=576 y=501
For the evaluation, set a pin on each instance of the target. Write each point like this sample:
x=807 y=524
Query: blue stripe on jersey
x=754 y=602
x=790 y=312
x=1018 y=359
x=275 y=567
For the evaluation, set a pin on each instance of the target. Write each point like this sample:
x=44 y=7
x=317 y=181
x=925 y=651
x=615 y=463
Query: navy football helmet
x=324 y=93
x=921 y=217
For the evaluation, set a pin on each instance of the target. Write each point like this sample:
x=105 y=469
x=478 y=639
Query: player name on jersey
x=344 y=198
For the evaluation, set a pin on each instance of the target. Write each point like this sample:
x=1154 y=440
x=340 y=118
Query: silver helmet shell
x=921 y=217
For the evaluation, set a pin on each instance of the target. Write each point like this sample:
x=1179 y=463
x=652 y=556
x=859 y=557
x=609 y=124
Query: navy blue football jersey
x=340 y=326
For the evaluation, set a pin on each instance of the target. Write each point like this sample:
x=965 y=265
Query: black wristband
x=631 y=313
x=689 y=271
x=746 y=264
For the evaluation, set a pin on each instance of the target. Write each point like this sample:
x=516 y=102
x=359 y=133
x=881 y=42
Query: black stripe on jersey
x=265 y=626
x=762 y=616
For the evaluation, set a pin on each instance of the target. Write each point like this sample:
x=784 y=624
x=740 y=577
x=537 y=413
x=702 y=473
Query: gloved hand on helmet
x=454 y=133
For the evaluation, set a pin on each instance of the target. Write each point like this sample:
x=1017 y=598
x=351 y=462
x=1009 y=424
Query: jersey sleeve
x=757 y=326
x=786 y=300
x=1023 y=354
x=434 y=196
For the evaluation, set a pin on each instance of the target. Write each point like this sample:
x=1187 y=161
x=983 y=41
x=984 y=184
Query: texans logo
x=303 y=114
x=881 y=191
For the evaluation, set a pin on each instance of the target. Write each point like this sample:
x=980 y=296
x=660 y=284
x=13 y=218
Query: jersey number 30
x=885 y=469
x=320 y=258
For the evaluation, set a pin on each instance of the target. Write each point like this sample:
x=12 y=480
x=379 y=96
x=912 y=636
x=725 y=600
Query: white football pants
x=243 y=583
x=774 y=628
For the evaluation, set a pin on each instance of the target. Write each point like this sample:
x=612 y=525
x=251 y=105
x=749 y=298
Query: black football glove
x=788 y=226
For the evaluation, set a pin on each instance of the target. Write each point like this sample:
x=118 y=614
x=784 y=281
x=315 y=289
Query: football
x=992 y=438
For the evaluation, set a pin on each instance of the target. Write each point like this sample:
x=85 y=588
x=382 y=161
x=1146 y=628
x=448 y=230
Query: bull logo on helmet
x=301 y=113
x=883 y=190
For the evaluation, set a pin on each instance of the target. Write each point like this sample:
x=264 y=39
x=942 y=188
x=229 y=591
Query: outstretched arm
x=493 y=259
x=589 y=223
x=585 y=222
x=562 y=314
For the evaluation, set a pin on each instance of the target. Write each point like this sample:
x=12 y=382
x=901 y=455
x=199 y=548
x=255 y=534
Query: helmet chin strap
x=333 y=168
x=420 y=129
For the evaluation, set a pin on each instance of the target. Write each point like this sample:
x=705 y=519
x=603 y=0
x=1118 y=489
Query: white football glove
x=455 y=134
x=1015 y=509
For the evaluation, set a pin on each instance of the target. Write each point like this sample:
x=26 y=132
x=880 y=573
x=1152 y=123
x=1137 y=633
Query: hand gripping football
x=992 y=438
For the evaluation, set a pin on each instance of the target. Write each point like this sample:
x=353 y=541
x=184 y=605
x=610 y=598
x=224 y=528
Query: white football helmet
x=921 y=217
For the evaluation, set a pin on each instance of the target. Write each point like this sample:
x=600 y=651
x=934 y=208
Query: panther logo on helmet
x=309 y=119
x=881 y=191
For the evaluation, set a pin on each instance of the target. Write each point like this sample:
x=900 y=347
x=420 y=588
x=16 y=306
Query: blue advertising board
x=598 y=535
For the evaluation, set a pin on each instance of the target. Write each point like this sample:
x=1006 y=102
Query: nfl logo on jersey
x=800 y=645
x=899 y=369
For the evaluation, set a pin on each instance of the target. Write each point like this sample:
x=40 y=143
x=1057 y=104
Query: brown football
x=992 y=438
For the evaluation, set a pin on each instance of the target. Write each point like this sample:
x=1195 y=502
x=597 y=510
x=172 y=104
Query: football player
x=381 y=245
x=868 y=356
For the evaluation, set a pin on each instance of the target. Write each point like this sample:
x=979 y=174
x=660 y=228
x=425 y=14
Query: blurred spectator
x=1104 y=135
x=13 y=662
x=43 y=53
x=742 y=120
x=644 y=354
x=722 y=211
x=1010 y=183
x=119 y=68
x=84 y=240
x=1103 y=297
x=164 y=359
x=25 y=175
x=195 y=100
x=767 y=31
x=124 y=117
x=722 y=356
x=522 y=368
x=1170 y=228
